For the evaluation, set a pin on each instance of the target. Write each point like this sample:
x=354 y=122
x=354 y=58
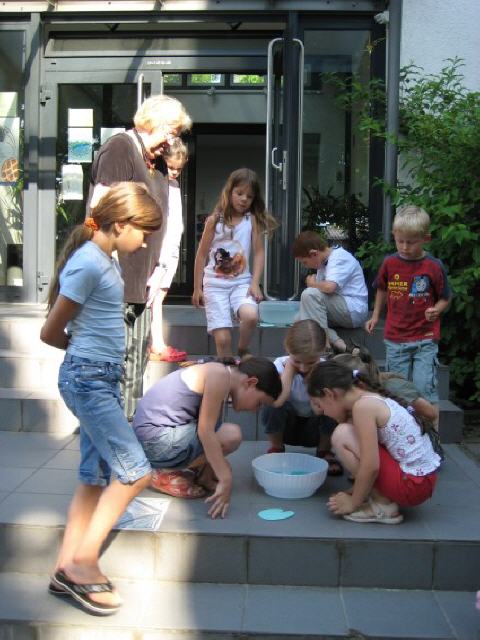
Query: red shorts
x=404 y=489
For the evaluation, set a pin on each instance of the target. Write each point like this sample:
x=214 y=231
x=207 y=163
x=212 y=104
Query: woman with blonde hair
x=136 y=156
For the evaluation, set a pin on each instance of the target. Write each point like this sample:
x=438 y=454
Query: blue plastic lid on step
x=278 y=313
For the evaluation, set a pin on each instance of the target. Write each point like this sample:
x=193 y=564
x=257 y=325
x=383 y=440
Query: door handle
x=140 y=90
x=276 y=166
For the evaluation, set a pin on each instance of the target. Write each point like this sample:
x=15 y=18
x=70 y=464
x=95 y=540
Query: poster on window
x=80 y=117
x=80 y=144
x=72 y=182
x=9 y=149
x=8 y=103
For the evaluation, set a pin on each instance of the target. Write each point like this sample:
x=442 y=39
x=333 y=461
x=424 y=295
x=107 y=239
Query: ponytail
x=80 y=234
x=360 y=358
x=335 y=375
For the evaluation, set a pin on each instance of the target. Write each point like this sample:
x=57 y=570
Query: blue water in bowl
x=290 y=473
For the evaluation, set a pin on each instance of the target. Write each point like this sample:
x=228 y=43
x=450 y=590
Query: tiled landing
x=436 y=547
x=312 y=576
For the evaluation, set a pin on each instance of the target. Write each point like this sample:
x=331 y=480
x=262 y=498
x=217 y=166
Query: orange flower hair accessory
x=91 y=224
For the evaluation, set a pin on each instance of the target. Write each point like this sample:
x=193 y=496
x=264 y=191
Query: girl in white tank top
x=378 y=440
x=223 y=281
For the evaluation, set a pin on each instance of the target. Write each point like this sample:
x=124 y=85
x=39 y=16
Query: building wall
x=434 y=30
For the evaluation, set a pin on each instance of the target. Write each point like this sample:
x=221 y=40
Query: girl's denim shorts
x=175 y=447
x=108 y=445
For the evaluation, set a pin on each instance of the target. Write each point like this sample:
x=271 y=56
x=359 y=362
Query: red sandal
x=169 y=354
x=276 y=450
x=178 y=484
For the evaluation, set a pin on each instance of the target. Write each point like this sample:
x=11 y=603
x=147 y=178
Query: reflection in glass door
x=336 y=182
x=11 y=160
x=88 y=114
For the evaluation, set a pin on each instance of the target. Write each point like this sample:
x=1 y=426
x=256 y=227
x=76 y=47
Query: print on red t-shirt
x=412 y=286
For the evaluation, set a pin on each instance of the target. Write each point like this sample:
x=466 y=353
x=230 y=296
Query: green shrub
x=439 y=146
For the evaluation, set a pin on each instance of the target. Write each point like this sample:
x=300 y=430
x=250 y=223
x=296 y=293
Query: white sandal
x=375 y=512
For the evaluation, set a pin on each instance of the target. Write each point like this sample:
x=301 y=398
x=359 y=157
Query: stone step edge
x=15 y=393
x=243 y=557
x=299 y=612
x=50 y=353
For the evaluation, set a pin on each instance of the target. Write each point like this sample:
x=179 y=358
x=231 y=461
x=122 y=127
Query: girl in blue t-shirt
x=85 y=317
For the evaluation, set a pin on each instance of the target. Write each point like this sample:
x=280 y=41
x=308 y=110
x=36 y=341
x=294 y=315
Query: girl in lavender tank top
x=180 y=425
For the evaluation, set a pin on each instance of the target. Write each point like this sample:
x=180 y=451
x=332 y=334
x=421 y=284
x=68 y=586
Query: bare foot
x=206 y=478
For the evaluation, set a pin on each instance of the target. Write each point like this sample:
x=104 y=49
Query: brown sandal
x=178 y=484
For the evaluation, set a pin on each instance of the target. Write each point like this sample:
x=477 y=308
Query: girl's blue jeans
x=108 y=445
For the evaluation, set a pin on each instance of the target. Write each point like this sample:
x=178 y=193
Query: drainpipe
x=393 y=90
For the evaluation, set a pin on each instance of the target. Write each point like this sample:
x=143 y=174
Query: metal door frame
x=283 y=159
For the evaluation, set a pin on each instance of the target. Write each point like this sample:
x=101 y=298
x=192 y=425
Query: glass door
x=339 y=163
x=79 y=113
x=320 y=168
x=283 y=162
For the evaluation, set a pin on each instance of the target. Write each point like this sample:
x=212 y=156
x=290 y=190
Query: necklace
x=149 y=163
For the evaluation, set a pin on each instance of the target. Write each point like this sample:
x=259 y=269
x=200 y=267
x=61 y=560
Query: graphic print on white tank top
x=229 y=253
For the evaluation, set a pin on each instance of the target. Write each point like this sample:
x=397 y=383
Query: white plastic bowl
x=278 y=312
x=289 y=475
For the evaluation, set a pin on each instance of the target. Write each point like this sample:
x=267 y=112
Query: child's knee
x=230 y=437
x=312 y=293
x=341 y=435
x=248 y=313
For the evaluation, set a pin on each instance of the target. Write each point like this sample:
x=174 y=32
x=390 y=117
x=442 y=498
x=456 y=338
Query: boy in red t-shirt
x=415 y=287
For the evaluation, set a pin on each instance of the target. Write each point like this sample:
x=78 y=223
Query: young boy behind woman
x=291 y=420
x=175 y=156
x=223 y=282
x=414 y=286
x=85 y=318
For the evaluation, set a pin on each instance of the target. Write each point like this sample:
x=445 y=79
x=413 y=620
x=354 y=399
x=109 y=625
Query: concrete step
x=35 y=410
x=436 y=547
x=29 y=368
x=156 y=611
x=39 y=369
x=42 y=410
x=184 y=327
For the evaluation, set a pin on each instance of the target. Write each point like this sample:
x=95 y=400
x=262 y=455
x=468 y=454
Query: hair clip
x=355 y=373
x=410 y=409
x=91 y=224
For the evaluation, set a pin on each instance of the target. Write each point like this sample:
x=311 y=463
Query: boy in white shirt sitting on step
x=336 y=296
